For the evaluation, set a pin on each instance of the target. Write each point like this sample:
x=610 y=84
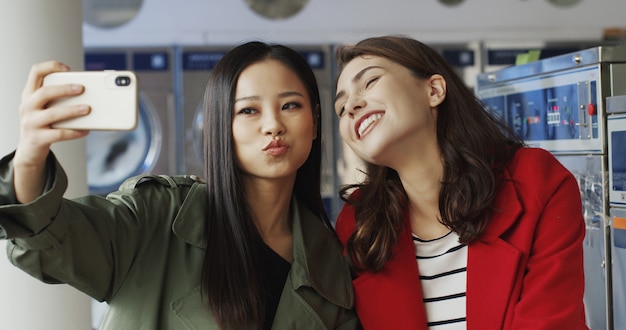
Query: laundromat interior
x=560 y=64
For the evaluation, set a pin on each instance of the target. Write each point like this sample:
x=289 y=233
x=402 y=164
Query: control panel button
x=591 y=109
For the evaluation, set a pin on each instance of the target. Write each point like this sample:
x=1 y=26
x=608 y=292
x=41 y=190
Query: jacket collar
x=317 y=258
x=190 y=222
x=491 y=256
x=507 y=208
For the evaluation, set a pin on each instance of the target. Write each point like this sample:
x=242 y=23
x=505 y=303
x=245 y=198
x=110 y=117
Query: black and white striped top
x=442 y=264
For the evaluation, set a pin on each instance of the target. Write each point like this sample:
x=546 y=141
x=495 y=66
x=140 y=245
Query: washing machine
x=113 y=156
x=498 y=54
x=196 y=64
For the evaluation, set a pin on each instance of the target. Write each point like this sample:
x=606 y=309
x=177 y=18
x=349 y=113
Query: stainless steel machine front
x=559 y=104
x=113 y=156
x=616 y=124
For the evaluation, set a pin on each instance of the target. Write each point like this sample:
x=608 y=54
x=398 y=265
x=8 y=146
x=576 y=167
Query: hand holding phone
x=112 y=96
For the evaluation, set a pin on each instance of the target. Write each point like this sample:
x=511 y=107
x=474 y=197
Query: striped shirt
x=442 y=264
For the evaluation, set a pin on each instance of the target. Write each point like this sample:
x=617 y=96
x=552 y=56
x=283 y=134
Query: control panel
x=558 y=111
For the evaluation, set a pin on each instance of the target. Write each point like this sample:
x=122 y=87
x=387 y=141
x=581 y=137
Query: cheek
x=305 y=127
x=241 y=136
x=344 y=129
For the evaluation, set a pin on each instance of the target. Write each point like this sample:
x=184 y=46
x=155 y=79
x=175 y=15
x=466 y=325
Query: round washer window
x=276 y=9
x=110 y=14
x=114 y=156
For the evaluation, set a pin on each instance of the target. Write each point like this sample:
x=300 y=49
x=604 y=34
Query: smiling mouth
x=366 y=123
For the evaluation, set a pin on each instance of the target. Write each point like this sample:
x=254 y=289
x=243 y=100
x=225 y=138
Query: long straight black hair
x=230 y=277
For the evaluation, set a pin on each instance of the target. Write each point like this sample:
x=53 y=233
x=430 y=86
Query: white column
x=32 y=31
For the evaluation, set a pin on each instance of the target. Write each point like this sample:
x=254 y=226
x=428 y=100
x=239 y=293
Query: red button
x=591 y=109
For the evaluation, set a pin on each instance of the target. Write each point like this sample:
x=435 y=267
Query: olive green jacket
x=141 y=249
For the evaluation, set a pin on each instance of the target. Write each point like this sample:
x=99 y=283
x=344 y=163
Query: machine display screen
x=618 y=160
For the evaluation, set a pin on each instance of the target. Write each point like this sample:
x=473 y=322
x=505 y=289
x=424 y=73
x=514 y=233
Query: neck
x=269 y=202
x=422 y=184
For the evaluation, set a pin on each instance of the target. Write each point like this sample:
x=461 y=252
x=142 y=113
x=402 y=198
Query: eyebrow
x=281 y=95
x=356 y=78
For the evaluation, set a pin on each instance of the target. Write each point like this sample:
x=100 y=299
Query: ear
x=437 y=85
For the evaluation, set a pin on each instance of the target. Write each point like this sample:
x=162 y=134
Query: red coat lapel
x=391 y=298
x=493 y=265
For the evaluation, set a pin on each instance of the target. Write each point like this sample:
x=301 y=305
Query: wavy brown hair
x=475 y=147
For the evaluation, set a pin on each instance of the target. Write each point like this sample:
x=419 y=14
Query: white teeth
x=367 y=122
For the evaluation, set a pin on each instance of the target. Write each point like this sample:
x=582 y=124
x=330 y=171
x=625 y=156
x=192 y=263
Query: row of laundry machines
x=172 y=79
x=168 y=139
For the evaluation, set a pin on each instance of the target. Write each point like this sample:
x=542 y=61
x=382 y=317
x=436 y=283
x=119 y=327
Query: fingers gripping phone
x=112 y=96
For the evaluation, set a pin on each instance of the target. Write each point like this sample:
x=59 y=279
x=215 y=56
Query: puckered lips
x=276 y=147
x=367 y=122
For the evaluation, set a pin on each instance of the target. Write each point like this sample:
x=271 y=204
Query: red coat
x=525 y=271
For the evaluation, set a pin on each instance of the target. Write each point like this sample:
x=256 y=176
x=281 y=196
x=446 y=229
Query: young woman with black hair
x=248 y=246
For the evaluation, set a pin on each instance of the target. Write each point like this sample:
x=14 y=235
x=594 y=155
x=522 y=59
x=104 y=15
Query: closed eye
x=371 y=81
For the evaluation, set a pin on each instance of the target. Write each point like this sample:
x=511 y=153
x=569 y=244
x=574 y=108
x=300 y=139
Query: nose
x=354 y=104
x=272 y=124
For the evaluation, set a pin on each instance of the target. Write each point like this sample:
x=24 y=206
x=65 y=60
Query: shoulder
x=156 y=191
x=536 y=164
x=535 y=158
x=536 y=172
x=171 y=182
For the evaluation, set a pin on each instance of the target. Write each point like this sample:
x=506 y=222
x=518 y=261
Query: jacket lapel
x=392 y=297
x=190 y=222
x=317 y=261
x=493 y=265
x=318 y=269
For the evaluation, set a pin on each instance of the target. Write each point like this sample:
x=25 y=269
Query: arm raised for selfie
x=36 y=133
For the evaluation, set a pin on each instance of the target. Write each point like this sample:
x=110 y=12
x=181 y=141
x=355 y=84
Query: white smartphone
x=112 y=96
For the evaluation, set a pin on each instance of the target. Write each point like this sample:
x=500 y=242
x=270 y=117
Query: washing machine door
x=114 y=156
x=198 y=134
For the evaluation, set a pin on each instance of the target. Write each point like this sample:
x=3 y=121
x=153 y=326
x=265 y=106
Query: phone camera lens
x=122 y=81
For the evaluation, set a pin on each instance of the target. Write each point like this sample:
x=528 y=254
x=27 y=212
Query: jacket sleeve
x=90 y=242
x=10 y=227
x=553 y=280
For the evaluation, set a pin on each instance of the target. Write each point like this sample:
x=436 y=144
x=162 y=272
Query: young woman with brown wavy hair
x=457 y=223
